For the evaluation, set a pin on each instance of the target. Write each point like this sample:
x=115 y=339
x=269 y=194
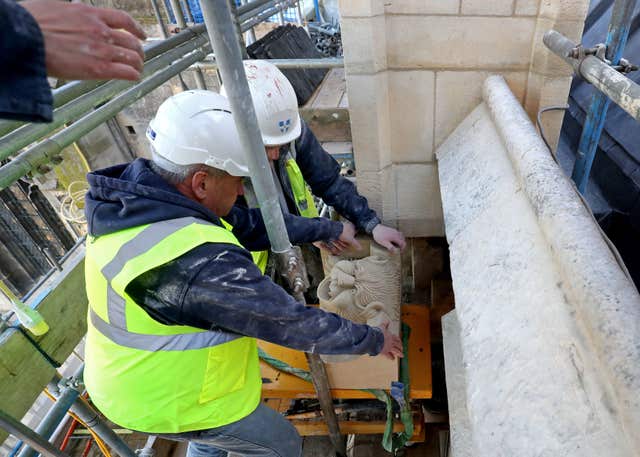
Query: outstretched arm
x=218 y=286
x=322 y=173
x=249 y=228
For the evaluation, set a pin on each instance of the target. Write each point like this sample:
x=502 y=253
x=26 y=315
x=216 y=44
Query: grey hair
x=175 y=174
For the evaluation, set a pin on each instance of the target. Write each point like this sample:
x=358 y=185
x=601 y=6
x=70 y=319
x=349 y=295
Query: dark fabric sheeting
x=291 y=42
x=616 y=168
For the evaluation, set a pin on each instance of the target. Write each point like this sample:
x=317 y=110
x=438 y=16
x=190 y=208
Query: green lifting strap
x=390 y=442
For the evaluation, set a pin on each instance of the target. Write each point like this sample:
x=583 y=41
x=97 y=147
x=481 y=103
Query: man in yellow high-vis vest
x=176 y=302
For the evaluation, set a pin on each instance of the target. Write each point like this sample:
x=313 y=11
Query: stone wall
x=415 y=70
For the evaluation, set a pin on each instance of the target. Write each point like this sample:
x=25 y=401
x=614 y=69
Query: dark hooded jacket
x=202 y=288
x=322 y=172
x=24 y=90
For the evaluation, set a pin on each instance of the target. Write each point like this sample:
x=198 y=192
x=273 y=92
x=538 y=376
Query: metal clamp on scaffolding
x=292 y=267
x=599 y=51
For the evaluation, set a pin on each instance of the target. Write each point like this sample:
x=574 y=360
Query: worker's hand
x=388 y=237
x=392 y=343
x=346 y=240
x=85 y=42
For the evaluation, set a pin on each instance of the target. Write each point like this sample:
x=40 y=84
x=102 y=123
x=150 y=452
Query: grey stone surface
x=549 y=363
x=460 y=437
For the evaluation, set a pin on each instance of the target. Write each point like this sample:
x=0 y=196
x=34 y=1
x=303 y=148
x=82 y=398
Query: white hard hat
x=275 y=102
x=196 y=126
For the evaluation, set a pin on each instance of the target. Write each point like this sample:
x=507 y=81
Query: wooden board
x=328 y=124
x=23 y=371
x=319 y=428
x=277 y=384
x=331 y=90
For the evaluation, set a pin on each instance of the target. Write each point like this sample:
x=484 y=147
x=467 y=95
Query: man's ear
x=199 y=184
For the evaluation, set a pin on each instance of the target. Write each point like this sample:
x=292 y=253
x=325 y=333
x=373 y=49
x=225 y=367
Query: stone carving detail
x=366 y=291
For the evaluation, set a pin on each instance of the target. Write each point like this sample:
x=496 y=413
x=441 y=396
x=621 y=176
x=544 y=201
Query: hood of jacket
x=130 y=195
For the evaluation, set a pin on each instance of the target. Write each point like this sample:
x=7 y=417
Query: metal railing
x=601 y=70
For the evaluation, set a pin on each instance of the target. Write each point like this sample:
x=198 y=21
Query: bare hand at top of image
x=85 y=42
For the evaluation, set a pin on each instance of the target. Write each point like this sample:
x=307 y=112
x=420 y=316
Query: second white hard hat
x=196 y=126
x=275 y=102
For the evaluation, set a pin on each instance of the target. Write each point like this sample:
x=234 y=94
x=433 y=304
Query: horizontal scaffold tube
x=73 y=110
x=329 y=62
x=620 y=89
x=50 y=149
x=251 y=6
x=74 y=89
x=266 y=13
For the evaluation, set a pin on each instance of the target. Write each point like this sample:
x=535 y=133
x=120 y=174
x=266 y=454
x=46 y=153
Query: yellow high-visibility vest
x=152 y=377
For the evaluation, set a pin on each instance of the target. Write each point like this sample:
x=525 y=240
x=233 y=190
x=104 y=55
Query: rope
x=72 y=205
x=390 y=442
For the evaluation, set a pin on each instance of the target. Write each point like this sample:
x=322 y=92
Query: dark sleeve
x=249 y=228
x=322 y=173
x=217 y=286
x=24 y=90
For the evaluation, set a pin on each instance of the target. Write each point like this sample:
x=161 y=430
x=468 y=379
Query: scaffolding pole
x=328 y=62
x=227 y=50
x=249 y=6
x=621 y=90
x=610 y=84
x=249 y=21
x=178 y=15
x=158 y=15
x=67 y=395
x=27 y=134
x=21 y=431
x=36 y=156
x=74 y=89
x=235 y=19
x=250 y=36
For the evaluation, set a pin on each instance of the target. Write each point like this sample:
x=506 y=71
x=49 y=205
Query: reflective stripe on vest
x=152 y=377
x=155 y=343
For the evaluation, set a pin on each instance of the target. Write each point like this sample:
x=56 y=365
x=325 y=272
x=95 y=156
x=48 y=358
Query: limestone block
x=422 y=6
x=419 y=210
x=534 y=382
x=459 y=92
x=379 y=190
x=364 y=44
x=461 y=445
x=606 y=304
x=564 y=10
x=360 y=8
x=462 y=208
x=485 y=8
x=411 y=107
x=527 y=7
x=543 y=60
x=369 y=117
x=365 y=287
x=365 y=291
x=466 y=42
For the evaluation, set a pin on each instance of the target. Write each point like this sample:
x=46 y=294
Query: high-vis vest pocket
x=226 y=369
